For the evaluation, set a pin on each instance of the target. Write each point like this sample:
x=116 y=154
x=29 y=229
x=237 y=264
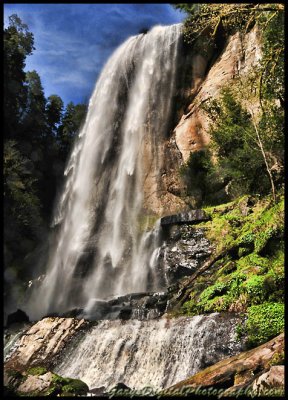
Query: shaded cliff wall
x=200 y=77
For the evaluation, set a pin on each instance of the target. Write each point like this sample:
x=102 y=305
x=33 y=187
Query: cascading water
x=155 y=353
x=99 y=250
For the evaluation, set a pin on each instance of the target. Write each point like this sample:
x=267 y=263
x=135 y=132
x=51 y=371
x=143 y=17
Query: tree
x=240 y=144
x=72 y=120
x=208 y=21
x=18 y=44
x=34 y=126
x=54 y=111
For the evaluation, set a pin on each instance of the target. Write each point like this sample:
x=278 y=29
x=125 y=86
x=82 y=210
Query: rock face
x=47 y=337
x=246 y=371
x=183 y=252
x=238 y=56
x=165 y=192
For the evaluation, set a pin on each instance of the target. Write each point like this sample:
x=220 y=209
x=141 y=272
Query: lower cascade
x=155 y=353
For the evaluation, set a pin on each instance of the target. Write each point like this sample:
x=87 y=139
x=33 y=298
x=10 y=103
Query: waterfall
x=99 y=250
x=155 y=353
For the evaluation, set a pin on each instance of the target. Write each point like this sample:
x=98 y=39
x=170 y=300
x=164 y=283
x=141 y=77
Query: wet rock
x=17 y=317
x=72 y=313
x=121 y=386
x=141 y=306
x=181 y=257
x=189 y=217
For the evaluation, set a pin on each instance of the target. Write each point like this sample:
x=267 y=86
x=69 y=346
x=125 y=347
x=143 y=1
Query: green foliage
x=72 y=120
x=21 y=202
x=54 y=110
x=255 y=289
x=208 y=20
x=200 y=177
x=234 y=141
x=75 y=387
x=18 y=44
x=264 y=322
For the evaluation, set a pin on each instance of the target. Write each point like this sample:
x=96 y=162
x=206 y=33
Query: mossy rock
x=75 y=386
x=69 y=385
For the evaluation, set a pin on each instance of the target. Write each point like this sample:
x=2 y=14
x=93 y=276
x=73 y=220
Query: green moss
x=37 y=371
x=264 y=322
x=277 y=359
x=69 y=385
x=255 y=289
x=253 y=273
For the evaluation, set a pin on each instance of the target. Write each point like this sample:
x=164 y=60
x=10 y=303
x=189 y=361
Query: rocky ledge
x=45 y=338
x=189 y=217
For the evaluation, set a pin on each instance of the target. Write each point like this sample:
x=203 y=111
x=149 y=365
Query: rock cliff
x=165 y=193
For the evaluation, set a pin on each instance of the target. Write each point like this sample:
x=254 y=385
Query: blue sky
x=73 y=41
